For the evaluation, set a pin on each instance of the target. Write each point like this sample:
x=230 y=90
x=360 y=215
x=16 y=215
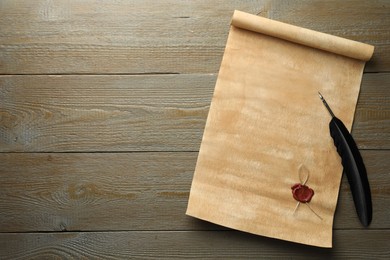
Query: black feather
x=354 y=168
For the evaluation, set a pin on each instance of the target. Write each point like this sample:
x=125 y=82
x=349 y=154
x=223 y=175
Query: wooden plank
x=131 y=191
x=354 y=244
x=104 y=113
x=371 y=127
x=139 y=113
x=99 y=191
x=69 y=36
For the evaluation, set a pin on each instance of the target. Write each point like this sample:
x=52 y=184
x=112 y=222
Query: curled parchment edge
x=314 y=39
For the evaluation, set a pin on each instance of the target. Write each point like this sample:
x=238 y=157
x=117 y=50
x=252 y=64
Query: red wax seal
x=302 y=193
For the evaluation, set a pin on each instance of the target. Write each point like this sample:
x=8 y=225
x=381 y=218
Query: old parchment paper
x=266 y=120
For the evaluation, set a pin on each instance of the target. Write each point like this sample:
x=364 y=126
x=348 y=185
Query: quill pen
x=353 y=166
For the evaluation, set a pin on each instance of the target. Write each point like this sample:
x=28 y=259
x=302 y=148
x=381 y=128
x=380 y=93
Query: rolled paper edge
x=311 y=38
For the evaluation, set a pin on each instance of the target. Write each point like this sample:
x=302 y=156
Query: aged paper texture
x=265 y=121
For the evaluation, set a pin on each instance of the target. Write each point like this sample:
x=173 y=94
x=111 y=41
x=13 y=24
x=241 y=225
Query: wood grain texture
x=139 y=113
x=132 y=191
x=141 y=191
x=188 y=244
x=104 y=113
x=99 y=191
x=373 y=105
x=69 y=36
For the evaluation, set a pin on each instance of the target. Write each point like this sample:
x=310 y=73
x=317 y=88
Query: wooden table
x=102 y=110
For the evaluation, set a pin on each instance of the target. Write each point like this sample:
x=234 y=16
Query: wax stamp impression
x=302 y=193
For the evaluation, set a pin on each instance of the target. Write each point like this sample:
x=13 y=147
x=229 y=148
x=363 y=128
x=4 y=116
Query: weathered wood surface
x=69 y=36
x=192 y=244
x=140 y=113
x=133 y=139
x=132 y=191
x=104 y=113
x=371 y=128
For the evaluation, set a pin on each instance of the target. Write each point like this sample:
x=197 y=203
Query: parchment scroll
x=266 y=122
